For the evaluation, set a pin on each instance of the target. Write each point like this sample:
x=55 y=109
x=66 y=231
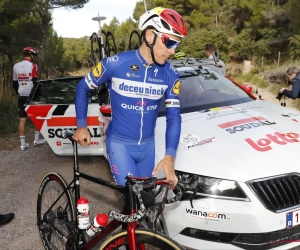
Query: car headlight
x=209 y=187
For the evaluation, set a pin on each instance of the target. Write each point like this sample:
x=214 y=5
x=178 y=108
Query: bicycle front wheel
x=55 y=213
x=146 y=239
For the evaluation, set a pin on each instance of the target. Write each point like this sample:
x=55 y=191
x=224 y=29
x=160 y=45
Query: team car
x=237 y=160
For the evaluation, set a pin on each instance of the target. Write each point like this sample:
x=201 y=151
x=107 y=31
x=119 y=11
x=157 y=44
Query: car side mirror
x=106 y=110
x=247 y=88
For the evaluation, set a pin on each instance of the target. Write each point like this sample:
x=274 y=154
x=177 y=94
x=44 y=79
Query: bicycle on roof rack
x=58 y=224
x=135 y=40
x=102 y=45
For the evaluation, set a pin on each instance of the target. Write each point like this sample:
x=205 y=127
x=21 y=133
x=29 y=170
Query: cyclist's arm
x=15 y=81
x=99 y=75
x=173 y=117
x=34 y=74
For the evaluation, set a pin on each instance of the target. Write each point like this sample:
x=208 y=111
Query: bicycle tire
x=136 y=33
x=62 y=215
x=109 y=48
x=95 y=48
x=153 y=239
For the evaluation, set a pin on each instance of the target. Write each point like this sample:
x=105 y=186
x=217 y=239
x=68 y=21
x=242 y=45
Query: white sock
x=23 y=142
x=36 y=135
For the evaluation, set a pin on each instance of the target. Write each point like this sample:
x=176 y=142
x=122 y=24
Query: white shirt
x=24 y=72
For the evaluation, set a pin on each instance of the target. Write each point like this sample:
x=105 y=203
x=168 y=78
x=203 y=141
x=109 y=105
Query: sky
x=78 y=23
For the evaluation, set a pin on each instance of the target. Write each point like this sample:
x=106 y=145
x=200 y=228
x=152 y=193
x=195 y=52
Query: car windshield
x=204 y=89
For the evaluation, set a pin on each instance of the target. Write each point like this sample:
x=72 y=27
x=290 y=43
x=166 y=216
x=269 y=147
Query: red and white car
x=243 y=151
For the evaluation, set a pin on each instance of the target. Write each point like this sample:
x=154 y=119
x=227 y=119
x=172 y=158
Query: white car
x=237 y=160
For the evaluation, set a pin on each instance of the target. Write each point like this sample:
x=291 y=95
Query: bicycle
x=57 y=220
x=102 y=46
x=135 y=43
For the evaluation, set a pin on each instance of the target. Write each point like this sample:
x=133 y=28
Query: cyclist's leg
x=145 y=165
x=22 y=122
x=120 y=161
x=22 y=114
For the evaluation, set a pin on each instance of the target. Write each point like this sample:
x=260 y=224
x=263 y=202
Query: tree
x=193 y=45
x=54 y=52
x=17 y=27
x=294 y=47
x=294 y=11
x=140 y=8
x=42 y=10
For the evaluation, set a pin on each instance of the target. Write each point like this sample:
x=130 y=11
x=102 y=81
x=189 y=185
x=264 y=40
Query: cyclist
x=24 y=77
x=137 y=80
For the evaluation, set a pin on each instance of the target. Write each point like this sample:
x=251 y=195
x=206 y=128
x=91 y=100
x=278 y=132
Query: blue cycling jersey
x=136 y=89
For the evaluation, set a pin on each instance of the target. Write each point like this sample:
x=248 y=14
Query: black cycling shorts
x=21 y=107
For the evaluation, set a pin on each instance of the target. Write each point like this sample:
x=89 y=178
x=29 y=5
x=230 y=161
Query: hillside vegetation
x=265 y=32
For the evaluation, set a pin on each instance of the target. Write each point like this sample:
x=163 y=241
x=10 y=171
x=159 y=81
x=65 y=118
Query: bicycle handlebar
x=159 y=199
x=183 y=187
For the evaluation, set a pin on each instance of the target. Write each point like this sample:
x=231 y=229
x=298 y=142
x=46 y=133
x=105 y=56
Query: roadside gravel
x=21 y=173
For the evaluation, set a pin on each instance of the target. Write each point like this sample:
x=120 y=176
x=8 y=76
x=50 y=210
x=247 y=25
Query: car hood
x=241 y=142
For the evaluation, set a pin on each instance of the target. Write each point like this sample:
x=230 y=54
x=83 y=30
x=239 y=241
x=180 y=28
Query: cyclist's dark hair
x=292 y=70
x=210 y=47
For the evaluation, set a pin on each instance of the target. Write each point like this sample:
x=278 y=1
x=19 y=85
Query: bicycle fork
x=131 y=237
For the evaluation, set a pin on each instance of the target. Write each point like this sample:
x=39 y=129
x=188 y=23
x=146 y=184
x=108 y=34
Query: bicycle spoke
x=111 y=48
x=134 y=40
x=95 y=48
x=56 y=218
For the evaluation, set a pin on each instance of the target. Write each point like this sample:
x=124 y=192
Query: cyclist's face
x=161 y=51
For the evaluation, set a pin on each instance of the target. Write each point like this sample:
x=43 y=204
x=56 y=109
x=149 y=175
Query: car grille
x=262 y=241
x=278 y=193
x=248 y=241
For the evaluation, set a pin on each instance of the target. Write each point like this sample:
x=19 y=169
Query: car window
x=58 y=91
x=103 y=94
x=204 y=89
x=62 y=92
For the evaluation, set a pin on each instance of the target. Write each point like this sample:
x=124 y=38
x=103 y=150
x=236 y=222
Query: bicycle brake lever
x=182 y=187
x=160 y=201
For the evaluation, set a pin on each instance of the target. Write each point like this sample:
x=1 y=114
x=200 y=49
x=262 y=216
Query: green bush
x=9 y=119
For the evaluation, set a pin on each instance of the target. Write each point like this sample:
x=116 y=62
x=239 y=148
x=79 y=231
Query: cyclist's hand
x=82 y=136
x=167 y=165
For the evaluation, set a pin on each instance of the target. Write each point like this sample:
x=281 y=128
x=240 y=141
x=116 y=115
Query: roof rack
x=199 y=62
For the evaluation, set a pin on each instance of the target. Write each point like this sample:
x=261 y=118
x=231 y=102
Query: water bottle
x=98 y=223
x=83 y=213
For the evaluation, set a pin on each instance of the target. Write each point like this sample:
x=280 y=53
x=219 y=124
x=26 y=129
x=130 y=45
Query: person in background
x=25 y=75
x=6 y=218
x=214 y=59
x=137 y=81
x=293 y=74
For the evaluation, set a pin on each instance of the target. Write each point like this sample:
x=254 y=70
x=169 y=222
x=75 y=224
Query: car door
x=51 y=108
